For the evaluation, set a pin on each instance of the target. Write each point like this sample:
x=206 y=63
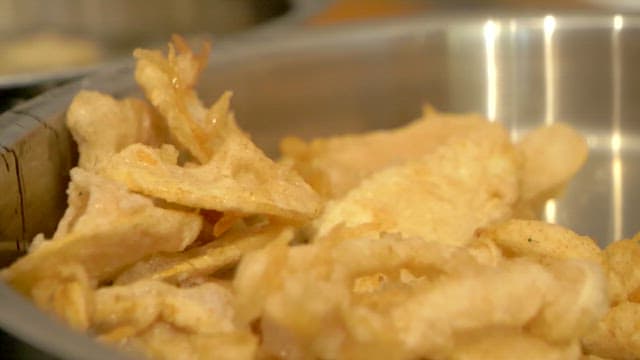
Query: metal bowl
x=523 y=71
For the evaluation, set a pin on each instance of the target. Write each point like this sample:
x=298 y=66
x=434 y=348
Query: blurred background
x=43 y=42
x=46 y=43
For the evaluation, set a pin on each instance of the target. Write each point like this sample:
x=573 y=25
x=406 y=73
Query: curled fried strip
x=169 y=84
x=206 y=259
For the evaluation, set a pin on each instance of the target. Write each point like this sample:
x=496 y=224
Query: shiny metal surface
x=523 y=71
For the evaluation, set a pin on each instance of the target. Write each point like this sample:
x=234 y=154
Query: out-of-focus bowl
x=523 y=71
x=100 y=31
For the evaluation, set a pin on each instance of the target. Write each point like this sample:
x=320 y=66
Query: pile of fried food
x=182 y=240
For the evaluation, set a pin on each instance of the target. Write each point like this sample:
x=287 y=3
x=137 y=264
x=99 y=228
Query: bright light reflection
x=549 y=69
x=618 y=22
x=549 y=24
x=616 y=138
x=491 y=32
x=616 y=176
x=550 y=211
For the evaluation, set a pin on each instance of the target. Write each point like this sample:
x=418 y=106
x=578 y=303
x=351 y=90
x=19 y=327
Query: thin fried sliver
x=169 y=85
x=541 y=241
x=206 y=259
x=226 y=222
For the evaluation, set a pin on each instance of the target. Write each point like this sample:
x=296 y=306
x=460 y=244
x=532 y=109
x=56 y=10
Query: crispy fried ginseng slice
x=163 y=321
x=403 y=298
x=102 y=126
x=541 y=241
x=168 y=83
x=335 y=165
x=206 y=259
x=236 y=179
x=616 y=336
x=551 y=155
x=622 y=262
x=444 y=196
x=104 y=229
x=233 y=175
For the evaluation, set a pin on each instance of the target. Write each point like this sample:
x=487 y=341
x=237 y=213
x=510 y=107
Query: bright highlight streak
x=618 y=22
x=551 y=211
x=616 y=137
x=616 y=142
x=491 y=33
x=549 y=24
x=549 y=70
x=616 y=175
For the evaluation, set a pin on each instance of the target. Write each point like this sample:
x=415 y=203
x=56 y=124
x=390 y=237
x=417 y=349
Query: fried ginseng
x=206 y=259
x=403 y=298
x=233 y=175
x=416 y=255
x=163 y=341
x=234 y=180
x=335 y=165
x=104 y=229
x=204 y=308
x=168 y=83
x=616 y=336
x=541 y=241
x=506 y=345
x=552 y=155
x=622 y=262
x=444 y=196
x=66 y=292
x=102 y=126
x=166 y=322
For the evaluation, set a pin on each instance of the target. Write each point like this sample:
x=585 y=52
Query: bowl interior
x=524 y=72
